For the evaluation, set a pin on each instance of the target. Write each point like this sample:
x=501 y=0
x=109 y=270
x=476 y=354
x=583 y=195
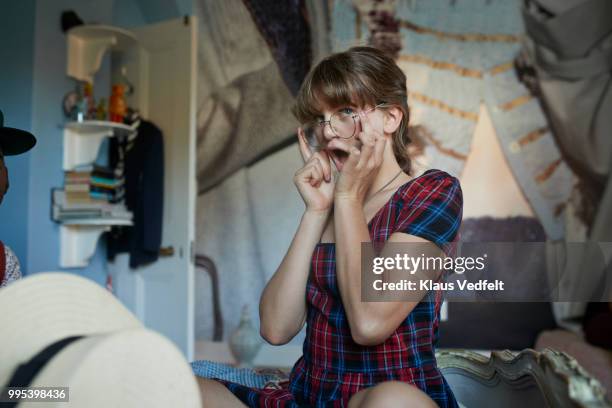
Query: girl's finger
x=307 y=174
x=325 y=163
x=379 y=148
x=353 y=159
x=366 y=151
x=370 y=133
x=304 y=148
x=340 y=145
x=319 y=166
x=316 y=176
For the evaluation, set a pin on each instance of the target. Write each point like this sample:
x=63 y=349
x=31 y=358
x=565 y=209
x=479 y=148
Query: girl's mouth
x=339 y=153
x=338 y=157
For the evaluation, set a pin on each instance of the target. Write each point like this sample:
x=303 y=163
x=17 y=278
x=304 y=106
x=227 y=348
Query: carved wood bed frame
x=548 y=378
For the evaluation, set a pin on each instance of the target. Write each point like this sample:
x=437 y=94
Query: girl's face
x=339 y=129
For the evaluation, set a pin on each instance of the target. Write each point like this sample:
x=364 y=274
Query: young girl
x=357 y=189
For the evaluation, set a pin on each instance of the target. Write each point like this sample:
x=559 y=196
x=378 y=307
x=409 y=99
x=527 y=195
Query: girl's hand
x=362 y=166
x=314 y=181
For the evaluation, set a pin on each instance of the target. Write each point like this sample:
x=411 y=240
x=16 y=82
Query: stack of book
x=91 y=183
x=89 y=193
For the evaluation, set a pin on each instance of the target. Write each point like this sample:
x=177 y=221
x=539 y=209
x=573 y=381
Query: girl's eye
x=346 y=111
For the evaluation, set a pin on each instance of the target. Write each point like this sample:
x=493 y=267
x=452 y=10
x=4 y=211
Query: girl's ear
x=393 y=118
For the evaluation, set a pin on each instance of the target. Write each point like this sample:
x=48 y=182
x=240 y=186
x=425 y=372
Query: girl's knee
x=207 y=387
x=392 y=394
x=214 y=394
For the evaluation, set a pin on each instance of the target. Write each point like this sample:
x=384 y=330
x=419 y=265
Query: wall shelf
x=87 y=44
x=95 y=222
x=79 y=238
x=93 y=126
x=82 y=140
x=86 y=47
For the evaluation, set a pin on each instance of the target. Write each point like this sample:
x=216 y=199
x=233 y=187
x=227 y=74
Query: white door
x=163 y=73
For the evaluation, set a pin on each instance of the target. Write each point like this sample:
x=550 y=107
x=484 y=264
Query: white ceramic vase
x=244 y=342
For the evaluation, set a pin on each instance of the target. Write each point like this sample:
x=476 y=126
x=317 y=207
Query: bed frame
x=528 y=379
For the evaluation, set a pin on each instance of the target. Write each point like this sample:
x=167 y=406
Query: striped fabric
x=457 y=56
x=333 y=367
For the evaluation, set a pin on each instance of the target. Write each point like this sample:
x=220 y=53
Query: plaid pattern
x=334 y=367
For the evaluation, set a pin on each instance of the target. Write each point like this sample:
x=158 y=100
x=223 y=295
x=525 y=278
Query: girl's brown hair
x=361 y=76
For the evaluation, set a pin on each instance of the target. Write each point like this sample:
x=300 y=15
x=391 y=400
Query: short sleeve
x=431 y=208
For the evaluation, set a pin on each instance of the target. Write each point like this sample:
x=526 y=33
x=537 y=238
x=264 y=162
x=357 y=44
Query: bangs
x=332 y=84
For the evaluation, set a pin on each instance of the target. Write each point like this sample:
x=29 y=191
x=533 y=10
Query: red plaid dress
x=333 y=367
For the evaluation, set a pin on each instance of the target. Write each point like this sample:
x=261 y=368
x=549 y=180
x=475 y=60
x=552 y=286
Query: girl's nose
x=328 y=132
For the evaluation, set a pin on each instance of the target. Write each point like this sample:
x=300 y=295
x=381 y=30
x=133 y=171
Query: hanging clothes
x=139 y=160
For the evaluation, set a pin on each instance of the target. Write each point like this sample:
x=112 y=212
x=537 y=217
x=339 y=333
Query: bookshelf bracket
x=78 y=244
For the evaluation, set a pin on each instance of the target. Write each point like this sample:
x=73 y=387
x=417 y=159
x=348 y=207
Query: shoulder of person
x=436 y=175
x=431 y=180
x=431 y=207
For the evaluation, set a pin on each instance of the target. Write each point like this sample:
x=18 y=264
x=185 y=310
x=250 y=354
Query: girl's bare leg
x=391 y=394
x=216 y=395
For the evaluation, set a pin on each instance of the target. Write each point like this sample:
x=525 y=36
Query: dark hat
x=14 y=141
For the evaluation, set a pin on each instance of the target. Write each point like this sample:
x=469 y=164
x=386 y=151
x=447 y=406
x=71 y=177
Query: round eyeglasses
x=343 y=124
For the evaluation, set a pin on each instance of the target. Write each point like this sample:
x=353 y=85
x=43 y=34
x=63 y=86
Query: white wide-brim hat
x=116 y=363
